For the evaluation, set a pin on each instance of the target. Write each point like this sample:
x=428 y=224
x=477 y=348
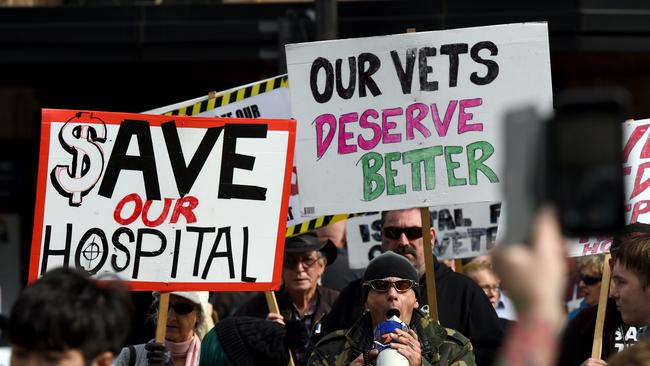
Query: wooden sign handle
x=428 y=262
x=273 y=308
x=161 y=323
x=597 y=347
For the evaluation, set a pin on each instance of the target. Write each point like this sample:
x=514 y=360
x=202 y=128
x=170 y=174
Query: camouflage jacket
x=440 y=346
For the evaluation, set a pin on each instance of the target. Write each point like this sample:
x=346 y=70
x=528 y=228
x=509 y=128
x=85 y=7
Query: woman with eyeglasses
x=590 y=270
x=188 y=320
x=301 y=296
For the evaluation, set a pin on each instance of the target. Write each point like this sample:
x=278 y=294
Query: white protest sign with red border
x=164 y=202
x=414 y=119
x=636 y=167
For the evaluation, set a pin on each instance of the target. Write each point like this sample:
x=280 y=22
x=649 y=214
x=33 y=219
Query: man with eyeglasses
x=462 y=305
x=389 y=289
x=300 y=297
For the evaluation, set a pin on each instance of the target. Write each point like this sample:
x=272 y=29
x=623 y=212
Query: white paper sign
x=163 y=202
x=636 y=167
x=267 y=98
x=411 y=120
x=462 y=231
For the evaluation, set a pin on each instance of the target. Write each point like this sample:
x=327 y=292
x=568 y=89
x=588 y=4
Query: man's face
x=632 y=300
x=412 y=248
x=301 y=271
x=24 y=357
x=489 y=283
x=379 y=303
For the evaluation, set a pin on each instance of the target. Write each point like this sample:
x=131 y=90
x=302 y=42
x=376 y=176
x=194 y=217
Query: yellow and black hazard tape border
x=236 y=95
x=318 y=223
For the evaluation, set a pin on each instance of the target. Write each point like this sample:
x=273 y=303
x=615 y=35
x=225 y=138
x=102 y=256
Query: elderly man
x=462 y=305
x=390 y=288
x=68 y=319
x=301 y=297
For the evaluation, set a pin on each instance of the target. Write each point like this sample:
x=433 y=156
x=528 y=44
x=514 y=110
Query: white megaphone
x=387 y=355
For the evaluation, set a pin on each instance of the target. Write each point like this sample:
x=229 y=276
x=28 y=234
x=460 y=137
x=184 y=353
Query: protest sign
x=636 y=167
x=414 y=119
x=462 y=231
x=267 y=98
x=163 y=202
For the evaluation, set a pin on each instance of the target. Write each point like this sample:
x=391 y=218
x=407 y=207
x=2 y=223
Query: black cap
x=309 y=242
x=390 y=264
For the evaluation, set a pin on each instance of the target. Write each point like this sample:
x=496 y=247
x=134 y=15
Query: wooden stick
x=273 y=308
x=161 y=324
x=428 y=262
x=597 y=348
x=458 y=266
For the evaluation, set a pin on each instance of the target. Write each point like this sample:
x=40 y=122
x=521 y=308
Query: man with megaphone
x=393 y=330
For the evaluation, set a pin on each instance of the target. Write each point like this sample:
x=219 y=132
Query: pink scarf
x=185 y=353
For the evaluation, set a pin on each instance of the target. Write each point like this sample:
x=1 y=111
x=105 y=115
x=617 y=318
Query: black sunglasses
x=384 y=285
x=411 y=232
x=589 y=281
x=182 y=308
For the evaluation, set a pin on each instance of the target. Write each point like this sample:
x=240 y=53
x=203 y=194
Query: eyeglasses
x=590 y=281
x=384 y=285
x=411 y=232
x=182 y=308
x=488 y=289
x=292 y=262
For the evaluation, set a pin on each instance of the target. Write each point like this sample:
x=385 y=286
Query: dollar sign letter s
x=79 y=136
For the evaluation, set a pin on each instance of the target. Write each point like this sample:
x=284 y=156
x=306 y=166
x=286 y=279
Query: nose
x=392 y=293
x=403 y=240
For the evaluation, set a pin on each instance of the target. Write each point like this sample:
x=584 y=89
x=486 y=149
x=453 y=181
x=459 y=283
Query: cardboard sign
x=165 y=203
x=411 y=120
x=462 y=231
x=267 y=98
x=636 y=167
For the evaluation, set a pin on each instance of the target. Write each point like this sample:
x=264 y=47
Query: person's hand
x=534 y=276
x=594 y=362
x=372 y=356
x=408 y=345
x=275 y=317
x=158 y=354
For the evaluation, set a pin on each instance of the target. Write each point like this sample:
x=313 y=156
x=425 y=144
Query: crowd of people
x=504 y=309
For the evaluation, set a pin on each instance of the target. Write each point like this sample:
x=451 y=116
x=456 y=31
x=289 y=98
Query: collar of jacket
x=287 y=309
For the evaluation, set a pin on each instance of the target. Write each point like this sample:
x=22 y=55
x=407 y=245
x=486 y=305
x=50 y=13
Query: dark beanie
x=389 y=264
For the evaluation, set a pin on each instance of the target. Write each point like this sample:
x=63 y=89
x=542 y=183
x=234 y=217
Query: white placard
x=411 y=120
x=462 y=231
x=163 y=202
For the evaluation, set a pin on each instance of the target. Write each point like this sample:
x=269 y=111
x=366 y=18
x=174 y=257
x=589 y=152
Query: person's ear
x=103 y=359
x=416 y=305
x=433 y=235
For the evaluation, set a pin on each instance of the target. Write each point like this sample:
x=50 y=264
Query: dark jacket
x=258 y=307
x=578 y=336
x=343 y=346
x=462 y=306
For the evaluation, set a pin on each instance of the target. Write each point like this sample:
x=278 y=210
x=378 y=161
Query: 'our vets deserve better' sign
x=166 y=203
x=411 y=119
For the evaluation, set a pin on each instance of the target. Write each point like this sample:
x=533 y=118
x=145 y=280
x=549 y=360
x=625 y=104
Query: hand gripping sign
x=163 y=202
